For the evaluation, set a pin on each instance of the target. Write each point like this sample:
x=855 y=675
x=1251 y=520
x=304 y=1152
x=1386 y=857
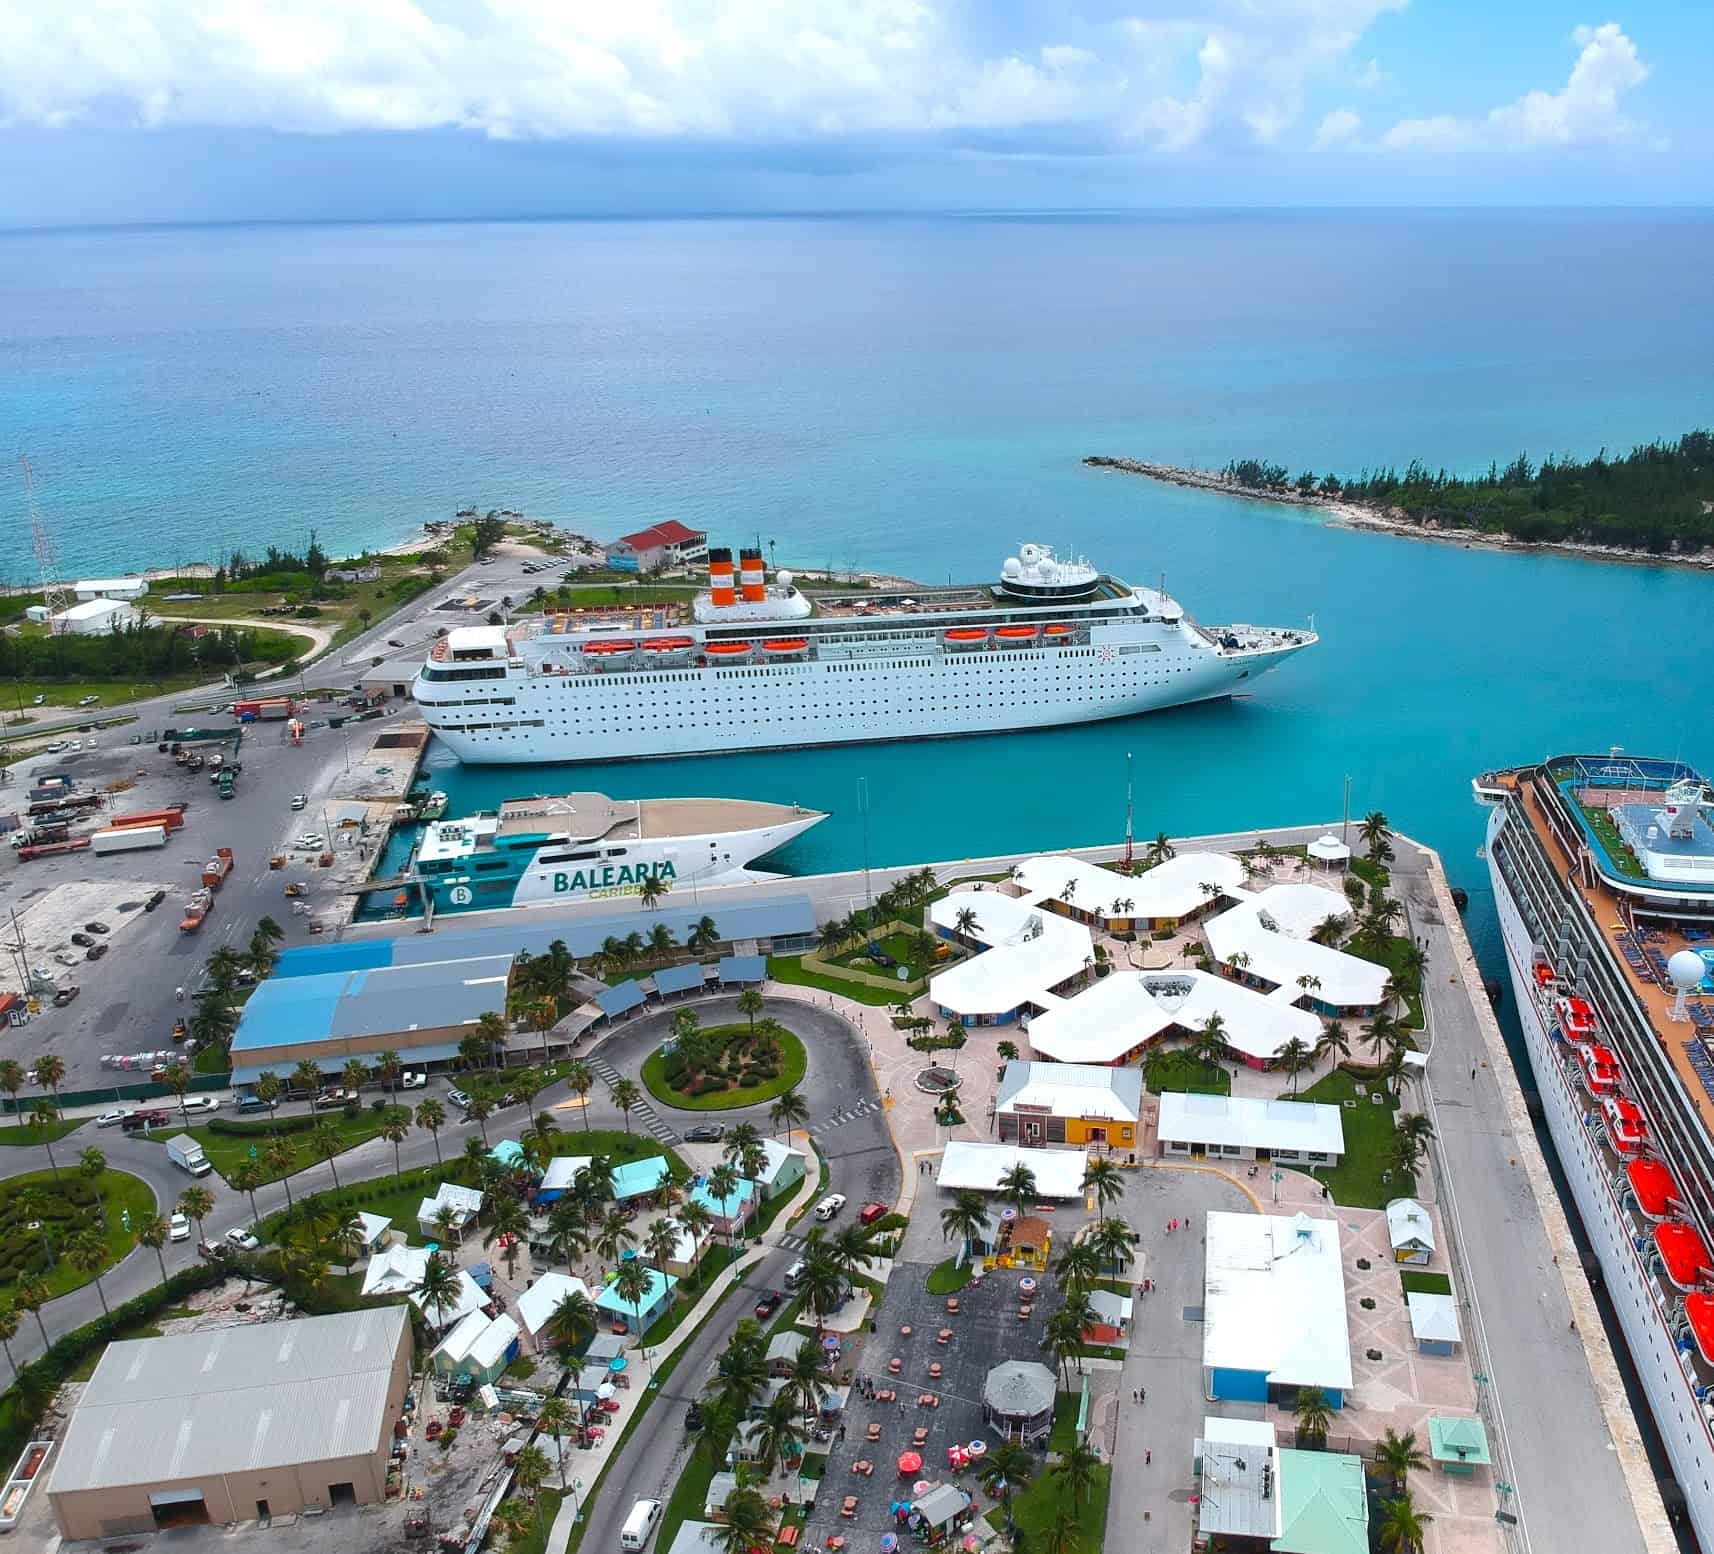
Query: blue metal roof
x=434 y=1052
x=636 y=1177
x=615 y=1001
x=743 y=968
x=728 y=1207
x=382 y=1001
x=679 y=979
x=773 y=918
x=659 y=1283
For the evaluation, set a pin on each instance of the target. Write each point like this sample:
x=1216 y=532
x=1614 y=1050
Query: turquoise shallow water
x=915 y=394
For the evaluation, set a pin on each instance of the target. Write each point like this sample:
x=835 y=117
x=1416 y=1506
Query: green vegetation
x=1065 y=1409
x=228 y=1148
x=32 y=1133
x=733 y=1066
x=1356 y=1181
x=689 y=1290
x=948 y=1278
x=44 y=1220
x=906 y=948
x=1655 y=498
x=1169 y=1068
x=602 y=597
x=541 y=1520
x=1036 y=1508
x=1618 y=849
x=1419 y=1281
x=146 y=658
x=1393 y=951
x=791 y=969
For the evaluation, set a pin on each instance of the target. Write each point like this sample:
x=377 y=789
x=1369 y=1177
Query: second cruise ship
x=755 y=665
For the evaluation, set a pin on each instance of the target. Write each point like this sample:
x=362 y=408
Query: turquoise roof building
x=640 y=1318
x=638 y=1178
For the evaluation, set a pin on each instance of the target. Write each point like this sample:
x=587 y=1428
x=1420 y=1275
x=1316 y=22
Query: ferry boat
x=753 y=664
x=586 y=847
x=1603 y=873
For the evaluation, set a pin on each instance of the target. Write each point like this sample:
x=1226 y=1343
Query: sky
x=122 y=111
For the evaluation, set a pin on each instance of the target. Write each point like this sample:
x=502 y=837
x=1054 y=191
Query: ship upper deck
x=595 y=817
x=1638 y=950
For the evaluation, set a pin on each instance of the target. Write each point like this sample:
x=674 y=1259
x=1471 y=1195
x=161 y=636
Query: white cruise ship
x=1603 y=872
x=758 y=665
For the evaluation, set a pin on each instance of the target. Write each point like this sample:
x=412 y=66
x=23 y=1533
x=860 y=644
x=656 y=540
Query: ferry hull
x=1610 y=1220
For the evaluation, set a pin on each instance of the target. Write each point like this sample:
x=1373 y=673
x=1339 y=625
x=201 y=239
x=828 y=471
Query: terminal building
x=234 y=1424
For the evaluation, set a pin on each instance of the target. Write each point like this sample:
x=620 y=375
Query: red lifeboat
x=1542 y=971
x=1576 y=1018
x=1016 y=633
x=667 y=644
x=1627 y=1130
x=1657 y=1193
x=1699 y=1313
x=727 y=652
x=964 y=636
x=608 y=647
x=1600 y=1068
x=785 y=647
x=1683 y=1253
x=1058 y=631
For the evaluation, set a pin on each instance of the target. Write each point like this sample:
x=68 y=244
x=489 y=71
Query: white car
x=829 y=1206
x=241 y=1238
x=178 y=1228
x=412 y=1080
x=300 y=800
x=113 y=1119
x=310 y=841
x=57 y=746
x=201 y=1103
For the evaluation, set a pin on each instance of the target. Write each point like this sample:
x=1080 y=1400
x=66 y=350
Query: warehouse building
x=234 y=1424
x=94 y=617
x=110 y=588
x=421 y=1012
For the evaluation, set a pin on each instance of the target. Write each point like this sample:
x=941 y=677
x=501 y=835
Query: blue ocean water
x=915 y=394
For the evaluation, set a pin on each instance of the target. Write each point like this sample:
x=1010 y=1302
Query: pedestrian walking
x=1148 y=1456
x=1142 y=1394
x=1472 y=1076
x=178 y=993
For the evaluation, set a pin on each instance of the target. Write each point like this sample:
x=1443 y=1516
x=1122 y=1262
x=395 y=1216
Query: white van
x=794 y=1275
x=640 y=1525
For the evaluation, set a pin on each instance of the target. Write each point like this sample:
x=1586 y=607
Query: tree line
x=1659 y=497
x=145 y=650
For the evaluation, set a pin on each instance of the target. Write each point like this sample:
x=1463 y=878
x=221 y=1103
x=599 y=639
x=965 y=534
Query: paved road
x=1542 y=1387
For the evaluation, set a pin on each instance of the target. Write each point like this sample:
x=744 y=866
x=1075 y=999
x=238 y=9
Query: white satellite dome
x=1687 y=969
x=1013 y=568
x=785 y=580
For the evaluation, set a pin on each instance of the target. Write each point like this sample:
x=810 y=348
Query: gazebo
x=1329 y=851
x=1017 y=1400
x=1460 y=1446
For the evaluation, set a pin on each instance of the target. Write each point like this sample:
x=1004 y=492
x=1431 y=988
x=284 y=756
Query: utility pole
x=868 y=890
x=1345 y=824
x=1129 y=839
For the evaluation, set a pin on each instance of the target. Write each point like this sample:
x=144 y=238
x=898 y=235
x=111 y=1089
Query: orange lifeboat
x=785 y=647
x=609 y=650
x=667 y=644
x=1683 y=1254
x=964 y=636
x=1016 y=633
x=727 y=652
x=1657 y=1193
x=1057 y=632
x=1627 y=1129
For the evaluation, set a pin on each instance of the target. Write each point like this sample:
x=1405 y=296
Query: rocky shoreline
x=1354 y=515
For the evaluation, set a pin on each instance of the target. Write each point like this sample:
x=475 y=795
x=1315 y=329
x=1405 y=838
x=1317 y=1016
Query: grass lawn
x=1065 y=1408
x=771 y=1211
x=1371 y=873
x=227 y=1151
x=1390 y=953
x=1419 y=1281
x=793 y=1061
x=1035 y=1508
x=948 y=1278
x=30 y=1133
x=547 y=1503
x=1356 y=1181
x=901 y=947
x=790 y=969
x=64 y=695
x=121 y=1194
x=1177 y=1070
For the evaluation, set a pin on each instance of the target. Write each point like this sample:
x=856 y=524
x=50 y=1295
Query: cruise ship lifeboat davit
x=727 y=652
x=1656 y=1192
x=1683 y=1253
x=964 y=636
x=1576 y=1019
x=1699 y=1313
x=785 y=647
x=1627 y=1131
x=1014 y=636
x=609 y=650
x=1058 y=631
x=1600 y=1069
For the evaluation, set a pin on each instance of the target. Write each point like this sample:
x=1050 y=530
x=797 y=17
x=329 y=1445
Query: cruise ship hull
x=708 y=711
x=1617 y=1233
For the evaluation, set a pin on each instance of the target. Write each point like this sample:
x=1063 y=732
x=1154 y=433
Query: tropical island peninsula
x=1654 y=503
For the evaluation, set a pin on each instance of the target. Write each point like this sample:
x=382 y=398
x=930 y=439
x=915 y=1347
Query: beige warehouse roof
x=160 y=1410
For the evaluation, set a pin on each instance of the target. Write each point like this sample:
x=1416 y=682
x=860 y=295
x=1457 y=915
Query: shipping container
x=129 y=839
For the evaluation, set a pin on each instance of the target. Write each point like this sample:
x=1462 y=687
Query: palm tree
x=1404 y=1529
x=1113 y=1241
x=1079 y=1265
x=1006 y=1051
x=626 y=1096
x=474 y=1051
x=1076 y=1469
x=964 y=1217
x=479 y=1111
x=395 y=1129
x=811 y=1381
x=327 y=1141
x=431 y=1118
x=574 y=1321
x=631 y=1284
x=966 y=922
x=1333 y=1043
x=790 y=1111
x=491 y=1027
x=154 y=1233
x=12 y=1081
x=1018 y=1187
x=703 y=935
x=529 y=1473
x=1380 y=1032
x=1374 y=831
x=613 y=1235
x=438 y=1291
x=777 y=1437
x=1160 y=849
x=696 y=1218
x=1293 y=1058
x=744 y=1150
x=48 y=1071
x=196 y=1203
x=1106 y=1181
x=823 y=1285
x=750 y=1004
x=355 y=1075
x=749 y=1523
x=1006 y=1467
x=553 y=1416
x=176 y=1077
x=10 y=1322
x=1313 y=1417
x=1400 y=1456
x=1411 y=1134
x=86 y=1251
x=510 y=1226
x=723 y=1188
x=306 y=1078
x=1063 y=1337
x=43 y=1115
x=247 y=1177
x=651 y=891
x=268 y=1088
x=213 y=1022
x=580 y=1081
x=660 y=1241
x=30 y=1292
x=92 y=1166
x=1208 y=1044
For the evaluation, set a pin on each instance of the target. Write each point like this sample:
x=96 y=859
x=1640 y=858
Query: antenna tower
x=54 y=593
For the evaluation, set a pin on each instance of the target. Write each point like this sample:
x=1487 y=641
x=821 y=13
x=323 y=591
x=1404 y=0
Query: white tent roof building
x=1274 y=1301
x=479 y=1341
x=1028 y=952
x=1170 y=890
x=1433 y=1318
x=537 y=1304
x=1272 y=931
x=1058 y=1172
x=1409 y=1226
x=1249 y=1123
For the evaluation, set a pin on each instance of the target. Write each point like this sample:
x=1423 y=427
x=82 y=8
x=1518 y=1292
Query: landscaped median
x=229 y=1144
x=744 y=1065
x=45 y=1219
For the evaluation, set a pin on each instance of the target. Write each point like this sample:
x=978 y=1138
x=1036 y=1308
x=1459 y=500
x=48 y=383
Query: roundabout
x=723 y=1067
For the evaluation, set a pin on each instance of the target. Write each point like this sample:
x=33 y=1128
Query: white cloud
x=1338 y=127
x=1585 y=112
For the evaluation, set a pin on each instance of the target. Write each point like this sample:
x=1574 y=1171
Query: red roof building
x=666 y=544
